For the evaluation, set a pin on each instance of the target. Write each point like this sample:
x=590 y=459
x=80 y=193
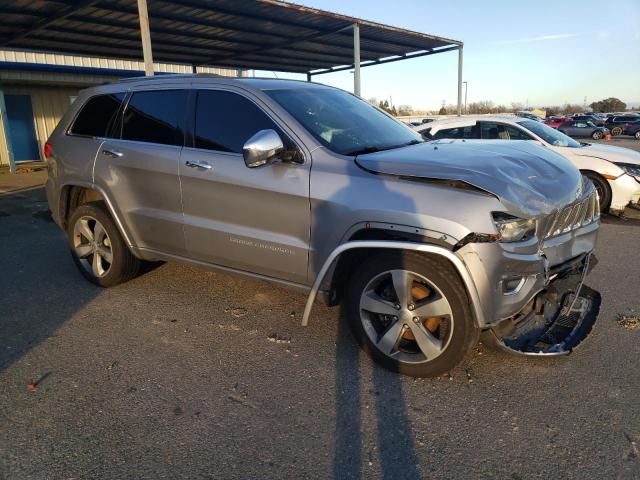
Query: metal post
x=308 y=77
x=466 y=87
x=460 y=80
x=147 y=52
x=194 y=69
x=356 y=59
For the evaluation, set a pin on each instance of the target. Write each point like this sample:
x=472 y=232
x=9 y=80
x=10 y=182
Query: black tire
x=637 y=135
x=124 y=265
x=440 y=274
x=597 y=135
x=615 y=131
x=603 y=188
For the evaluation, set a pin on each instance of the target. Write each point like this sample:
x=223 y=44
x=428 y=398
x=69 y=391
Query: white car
x=615 y=171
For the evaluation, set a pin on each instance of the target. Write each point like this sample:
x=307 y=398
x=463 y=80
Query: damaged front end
x=557 y=319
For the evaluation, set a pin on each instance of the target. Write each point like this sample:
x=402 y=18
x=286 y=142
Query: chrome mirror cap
x=262 y=148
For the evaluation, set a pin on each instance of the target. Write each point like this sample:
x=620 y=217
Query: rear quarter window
x=97 y=115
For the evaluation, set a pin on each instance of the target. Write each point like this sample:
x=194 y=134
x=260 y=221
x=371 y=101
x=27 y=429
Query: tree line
x=611 y=104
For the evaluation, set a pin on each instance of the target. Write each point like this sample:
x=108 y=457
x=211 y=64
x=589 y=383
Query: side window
x=498 y=131
x=97 y=115
x=489 y=131
x=514 y=133
x=226 y=120
x=155 y=117
x=467 y=132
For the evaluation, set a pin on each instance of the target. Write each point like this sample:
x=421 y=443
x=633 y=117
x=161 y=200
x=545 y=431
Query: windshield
x=549 y=135
x=342 y=122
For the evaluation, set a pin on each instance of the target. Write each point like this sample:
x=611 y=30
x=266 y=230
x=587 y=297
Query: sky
x=539 y=53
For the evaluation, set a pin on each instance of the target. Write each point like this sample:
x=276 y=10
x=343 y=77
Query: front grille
x=574 y=216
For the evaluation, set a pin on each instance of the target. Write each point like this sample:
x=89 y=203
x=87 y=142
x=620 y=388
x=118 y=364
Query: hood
x=609 y=153
x=529 y=179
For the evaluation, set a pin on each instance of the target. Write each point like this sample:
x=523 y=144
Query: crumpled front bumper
x=557 y=319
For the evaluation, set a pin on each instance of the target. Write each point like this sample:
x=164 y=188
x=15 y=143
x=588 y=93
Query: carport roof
x=248 y=34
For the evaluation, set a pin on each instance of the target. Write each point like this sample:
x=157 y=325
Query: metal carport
x=244 y=34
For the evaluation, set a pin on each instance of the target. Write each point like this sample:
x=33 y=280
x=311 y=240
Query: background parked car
x=529 y=115
x=556 y=121
x=589 y=118
x=583 y=128
x=633 y=128
x=617 y=124
x=615 y=171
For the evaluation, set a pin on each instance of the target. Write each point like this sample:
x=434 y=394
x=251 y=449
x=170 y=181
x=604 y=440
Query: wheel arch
x=357 y=249
x=73 y=195
x=337 y=277
x=587 y=172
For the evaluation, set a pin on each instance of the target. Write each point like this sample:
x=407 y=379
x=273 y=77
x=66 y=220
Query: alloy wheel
x=406 y=316
x=92 y=245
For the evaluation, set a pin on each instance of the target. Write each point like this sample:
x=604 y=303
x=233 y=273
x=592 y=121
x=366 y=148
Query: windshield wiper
x=373 y=149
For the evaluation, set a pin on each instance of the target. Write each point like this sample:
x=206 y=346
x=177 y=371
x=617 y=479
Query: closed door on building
x=22 y=133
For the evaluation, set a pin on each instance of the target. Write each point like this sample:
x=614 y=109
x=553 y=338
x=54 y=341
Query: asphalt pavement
x=184 y=373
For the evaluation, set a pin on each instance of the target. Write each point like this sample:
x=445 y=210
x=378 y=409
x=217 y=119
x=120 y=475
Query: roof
x=469 y=120
x=248 y=34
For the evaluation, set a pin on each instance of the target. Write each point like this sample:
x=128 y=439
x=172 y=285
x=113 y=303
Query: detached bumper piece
x=557 y=320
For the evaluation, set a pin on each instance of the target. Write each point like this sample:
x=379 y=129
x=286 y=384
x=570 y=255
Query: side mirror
x=264 y=147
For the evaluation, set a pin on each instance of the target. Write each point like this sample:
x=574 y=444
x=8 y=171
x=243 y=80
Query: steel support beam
x=147 y=52
x=356 y=59
x=369 y=63
x=460 y=80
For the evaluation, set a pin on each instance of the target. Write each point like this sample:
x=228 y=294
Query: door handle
x=202 y=165
x=112 y=153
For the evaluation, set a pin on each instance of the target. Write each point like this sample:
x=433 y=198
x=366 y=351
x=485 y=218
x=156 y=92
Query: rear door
x=139 y=168
x=254 y=219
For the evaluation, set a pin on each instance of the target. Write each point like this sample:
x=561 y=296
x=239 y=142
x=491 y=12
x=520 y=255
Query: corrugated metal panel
x=107 y=63
x=267 y=34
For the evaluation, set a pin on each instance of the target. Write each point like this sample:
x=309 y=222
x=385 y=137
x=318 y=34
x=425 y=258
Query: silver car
x=424 y=244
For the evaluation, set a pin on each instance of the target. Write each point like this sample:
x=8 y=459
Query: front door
x=253 y=219
x=22 y=133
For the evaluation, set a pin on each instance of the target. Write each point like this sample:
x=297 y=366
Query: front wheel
x=97 y=248
x=637 y=135
x=597 y=135
x=410 y=313
x=615 y=131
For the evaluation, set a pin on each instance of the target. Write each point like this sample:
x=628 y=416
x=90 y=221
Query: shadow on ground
x=39 y=287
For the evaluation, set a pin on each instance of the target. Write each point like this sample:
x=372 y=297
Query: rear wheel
x=637 y=135
x=597 y=135
x=97 y=248
x=615 y=131
x=410 y=313
x=603 y=189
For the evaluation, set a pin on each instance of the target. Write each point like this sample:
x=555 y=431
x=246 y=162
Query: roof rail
x=163 y=75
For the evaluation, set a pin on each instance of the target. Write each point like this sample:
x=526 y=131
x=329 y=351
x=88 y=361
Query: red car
x=555 y=122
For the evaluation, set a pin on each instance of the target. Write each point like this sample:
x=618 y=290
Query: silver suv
x=425 y=244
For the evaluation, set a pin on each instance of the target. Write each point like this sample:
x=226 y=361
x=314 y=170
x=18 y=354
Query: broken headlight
x=513 y=229
x=630 y=169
